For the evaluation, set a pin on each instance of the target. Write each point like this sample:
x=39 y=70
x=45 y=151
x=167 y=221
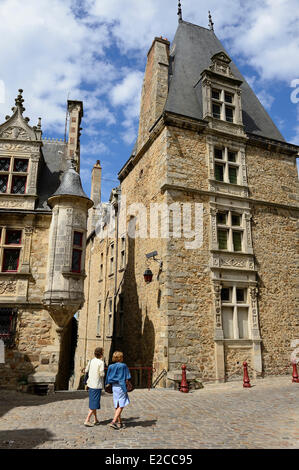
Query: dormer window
x=223 y=105
x=13 y=175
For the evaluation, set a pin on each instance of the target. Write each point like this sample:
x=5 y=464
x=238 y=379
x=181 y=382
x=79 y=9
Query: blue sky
x=95 y=51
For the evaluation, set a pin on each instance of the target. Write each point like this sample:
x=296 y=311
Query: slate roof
x=191 y=52
x=70 y=185
x=52 y=168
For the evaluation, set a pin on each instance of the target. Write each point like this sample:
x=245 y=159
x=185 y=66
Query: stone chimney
x=75 y=110
x=95 y=195
x=155 y=88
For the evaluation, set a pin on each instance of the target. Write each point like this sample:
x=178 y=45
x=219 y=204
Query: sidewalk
x=219 y=416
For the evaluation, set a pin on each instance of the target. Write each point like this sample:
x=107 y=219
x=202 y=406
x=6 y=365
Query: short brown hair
x=98 y=352
x=117 y=356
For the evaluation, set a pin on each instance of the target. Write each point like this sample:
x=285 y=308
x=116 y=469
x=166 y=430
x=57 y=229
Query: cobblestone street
x=219 y=416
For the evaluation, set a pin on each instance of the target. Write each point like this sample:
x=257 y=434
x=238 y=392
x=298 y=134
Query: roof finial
x=180 y=11
x=211 y=24
x=19 y=101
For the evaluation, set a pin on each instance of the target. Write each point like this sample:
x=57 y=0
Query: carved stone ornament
x=8 y=287
x=14 y=133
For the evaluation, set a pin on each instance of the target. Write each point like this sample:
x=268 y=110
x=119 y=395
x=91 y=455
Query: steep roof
x=191 y=52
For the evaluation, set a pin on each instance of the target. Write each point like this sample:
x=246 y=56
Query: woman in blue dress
x=117 y=374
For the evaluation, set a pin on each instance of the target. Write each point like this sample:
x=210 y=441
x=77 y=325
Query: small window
x=18 y=185
x=233 y=174
x=216 y=111
x=225 y=294
x=236 y=220
x=76 y=261
x=219 y=172
x=229 y=114
x=4 y=164
x=13 y=237
x=228 y=98
x=231 y=156
x=218 y=153
x=216 y=94
x=3 y=183
x=222 y=239
x=20 y=165
x=237 y=241
x=222 y=218
x=7 y=324
x=78 y=236
x=240 y=294
x=11 y=260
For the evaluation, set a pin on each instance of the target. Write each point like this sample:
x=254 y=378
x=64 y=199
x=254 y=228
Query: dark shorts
x=95 y=398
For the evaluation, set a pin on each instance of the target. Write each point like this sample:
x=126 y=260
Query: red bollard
x=295 y=373
x=246 y=381
x=184 y=384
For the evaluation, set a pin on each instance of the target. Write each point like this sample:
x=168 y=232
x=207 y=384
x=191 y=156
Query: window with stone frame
x=235 y=311
x=10 y=249
x=223 y=105
x=226 y=165
x=122 y=262
x=99 y=319
x=230 y=231
x=8 y=318
x=101 y=265
x=110 y=317
x=111 y=268
x=13 y=175
x=77 y=252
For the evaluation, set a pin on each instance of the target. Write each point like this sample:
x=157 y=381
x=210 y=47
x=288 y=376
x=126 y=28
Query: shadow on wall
x=134 y=332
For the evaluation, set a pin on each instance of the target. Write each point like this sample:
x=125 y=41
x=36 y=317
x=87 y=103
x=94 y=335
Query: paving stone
x=217 y=416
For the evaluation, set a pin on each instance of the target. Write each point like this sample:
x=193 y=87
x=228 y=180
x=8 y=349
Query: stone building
x=43 y=224
x=207 y=154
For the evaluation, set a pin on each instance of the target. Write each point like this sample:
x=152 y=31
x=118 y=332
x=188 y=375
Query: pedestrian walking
x=118 y=376
x=95 y=370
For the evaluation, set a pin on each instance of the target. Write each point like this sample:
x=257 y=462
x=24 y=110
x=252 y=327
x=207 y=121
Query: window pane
x=219 y=172
x=232 y=156
x=240 y=295
x=243 y=322
x=6 y=315
x=3 y=183
x=228 y=97
x=222 y=239
x=233 y=175
x=76 y=261
x=13 y=237
x=229 y=114
x=225 y=294
x=216 y=111
x=78 y=238
x=218 y=153
x=237 y=241
x=216 y=94
x=227 y=318
x=236 y=220
x=21 y=165
x=4 y=164
x=18 y=185
x=221 y=218
x=11 y=260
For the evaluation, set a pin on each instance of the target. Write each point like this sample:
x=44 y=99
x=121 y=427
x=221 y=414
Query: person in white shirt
x=96 y=372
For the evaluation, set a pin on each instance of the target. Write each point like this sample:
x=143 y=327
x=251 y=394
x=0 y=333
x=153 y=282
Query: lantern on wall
x=148 y=276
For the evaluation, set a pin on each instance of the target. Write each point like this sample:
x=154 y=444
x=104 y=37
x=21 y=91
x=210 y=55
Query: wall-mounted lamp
x=148 y=275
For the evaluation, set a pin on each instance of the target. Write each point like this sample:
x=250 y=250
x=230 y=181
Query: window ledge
x=74 y=275
x=213 y=180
